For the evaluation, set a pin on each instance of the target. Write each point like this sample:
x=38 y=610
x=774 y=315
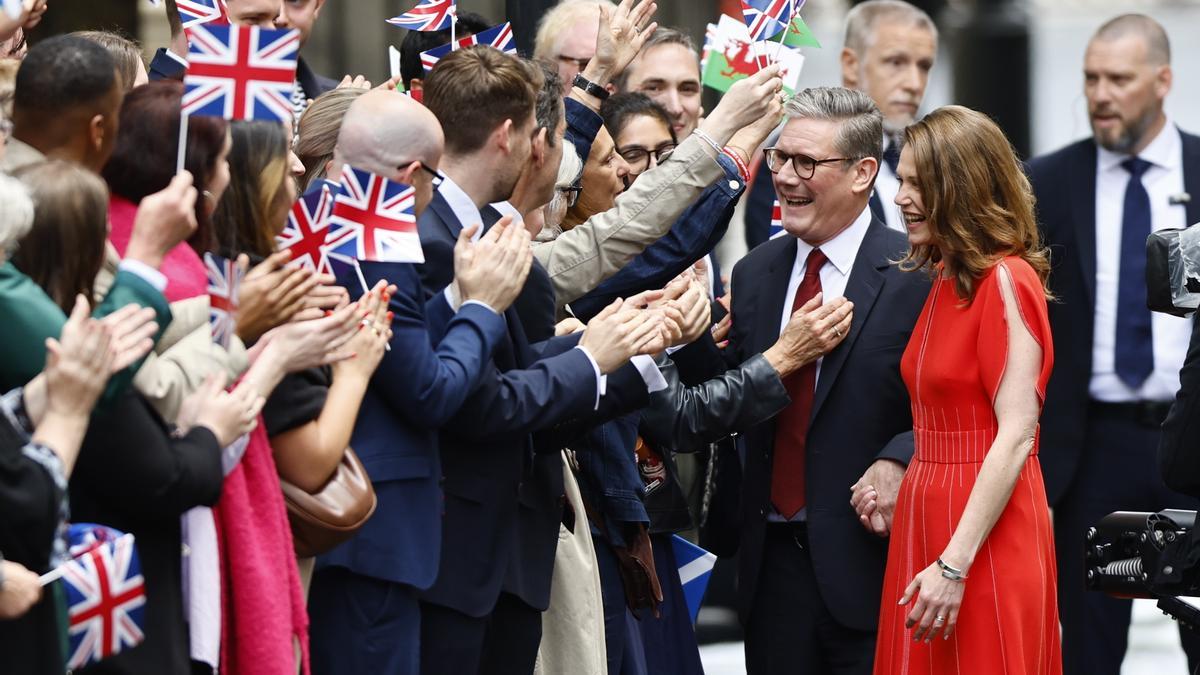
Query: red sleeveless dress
x=1008 y=623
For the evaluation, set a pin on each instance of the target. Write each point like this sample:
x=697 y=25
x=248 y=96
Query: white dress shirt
x=886 y=187
x=1171 y=334
x=841 y=251
x=462 y=205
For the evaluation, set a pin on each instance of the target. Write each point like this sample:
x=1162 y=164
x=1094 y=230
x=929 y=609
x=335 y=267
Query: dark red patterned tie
x=791 y=426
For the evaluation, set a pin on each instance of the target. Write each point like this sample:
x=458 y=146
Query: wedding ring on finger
x=939 y=620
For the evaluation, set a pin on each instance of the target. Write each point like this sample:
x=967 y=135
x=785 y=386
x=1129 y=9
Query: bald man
x=363 y=601
x=1116 y=366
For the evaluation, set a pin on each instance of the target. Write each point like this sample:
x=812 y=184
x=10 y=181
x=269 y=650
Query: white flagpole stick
x=183 y=129
x=453 y=26
x=51 y=576
x=783 y=38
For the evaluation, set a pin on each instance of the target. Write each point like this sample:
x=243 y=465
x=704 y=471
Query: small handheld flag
x=196 y=12
x=306 y=227
x=500 y=37
x=430 y=15
x=765 y=18
x=105 y=594
x=373 y=219
x=224 y=279
x=240 y=72
x=776 y=228
x=695 y=569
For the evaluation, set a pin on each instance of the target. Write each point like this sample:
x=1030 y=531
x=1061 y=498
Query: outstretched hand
x=620 y=37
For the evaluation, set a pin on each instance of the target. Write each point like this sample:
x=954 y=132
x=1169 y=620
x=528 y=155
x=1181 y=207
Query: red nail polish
x=389 y=316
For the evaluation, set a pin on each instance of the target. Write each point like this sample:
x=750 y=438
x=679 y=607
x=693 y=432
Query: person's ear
x=849 y=68
x=864 y=174
x=405 y=173
x=317 y=10
x=1162 y=82
x=502 y=136
x=96 y=132
x=538 y=147
x=328 y=167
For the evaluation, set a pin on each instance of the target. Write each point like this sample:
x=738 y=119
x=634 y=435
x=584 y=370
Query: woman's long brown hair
x=978 y=203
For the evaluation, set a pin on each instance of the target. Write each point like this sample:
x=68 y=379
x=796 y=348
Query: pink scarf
x=262 y=604
x=182 y=267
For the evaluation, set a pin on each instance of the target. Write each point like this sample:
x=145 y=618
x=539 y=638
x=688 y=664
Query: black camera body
x=1147 y=555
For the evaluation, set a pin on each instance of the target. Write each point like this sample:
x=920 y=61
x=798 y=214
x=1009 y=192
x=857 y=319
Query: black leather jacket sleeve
x=685 y=419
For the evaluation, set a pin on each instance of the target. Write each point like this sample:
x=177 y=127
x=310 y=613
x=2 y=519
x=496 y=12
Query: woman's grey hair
x=569 y=171
x=16 y=214
x=860 y=124
x=864 y=17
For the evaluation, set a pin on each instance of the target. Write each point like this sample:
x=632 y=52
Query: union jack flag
x=304 y=233
x=195 y=12
x=224 y=278
x=776 y=228
x=240 y=72
x=373 y=219
x=105 y=594
x=430 y=15
x=765 y=18
x=500 y=37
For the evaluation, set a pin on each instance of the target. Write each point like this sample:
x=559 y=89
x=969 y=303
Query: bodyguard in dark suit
x=810 y=572
x=1117 y=366
x=363 y=602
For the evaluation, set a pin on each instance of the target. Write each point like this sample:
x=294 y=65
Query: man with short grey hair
x=811 y=570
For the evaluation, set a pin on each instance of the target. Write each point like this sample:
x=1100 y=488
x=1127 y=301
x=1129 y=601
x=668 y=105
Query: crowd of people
x=901 y=413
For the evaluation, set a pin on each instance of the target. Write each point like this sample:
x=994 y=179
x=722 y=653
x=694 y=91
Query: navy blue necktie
x=1135 y=345
x=891 y=155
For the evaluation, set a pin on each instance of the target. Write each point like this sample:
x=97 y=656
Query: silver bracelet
x=951 y=573
x=708 y=139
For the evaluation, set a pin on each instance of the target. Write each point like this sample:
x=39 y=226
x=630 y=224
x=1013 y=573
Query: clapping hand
x=227 y=414
x=372 y=335
x=271 y=295
x=493 y=270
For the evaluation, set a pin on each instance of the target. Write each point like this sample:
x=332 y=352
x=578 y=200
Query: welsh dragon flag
x=732 y=55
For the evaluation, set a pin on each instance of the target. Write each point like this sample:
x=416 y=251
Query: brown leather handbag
x=322 y=520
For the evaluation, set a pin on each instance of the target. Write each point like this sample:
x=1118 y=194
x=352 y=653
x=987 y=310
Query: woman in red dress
x=970 y=582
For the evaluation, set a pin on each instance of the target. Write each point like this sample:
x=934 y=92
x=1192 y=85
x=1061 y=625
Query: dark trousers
x=360 y=624
x=670 y=640
x=622 y=638
x=504 y=642
x=790 y=630
x=1120 y=473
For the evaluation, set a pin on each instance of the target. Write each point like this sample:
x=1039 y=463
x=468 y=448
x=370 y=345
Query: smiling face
x=908 y=200
x=642 y=134
x=669 y=75
x=1125 y=89
x=817 y=209
x=301 y=15
x=893 y=70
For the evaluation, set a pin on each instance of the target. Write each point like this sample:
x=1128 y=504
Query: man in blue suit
x=363 y=603
x=483 y=613
x=1116 y=366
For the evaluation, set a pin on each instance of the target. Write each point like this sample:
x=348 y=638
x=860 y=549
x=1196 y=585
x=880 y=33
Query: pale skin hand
x=31 y=16
x=301 y=345
x=270 y=295
x=1017 y=408
x=227 y=415
x=618 y=333
x=874 y=495
x=813 y=331
x=164 y=220
x=493 y=270
x=747 y=101
x=21 y=590
x=620 y=37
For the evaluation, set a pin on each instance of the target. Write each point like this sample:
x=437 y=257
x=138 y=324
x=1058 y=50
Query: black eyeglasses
x=581 y=63
x=570 y=194
x=803 y=165
x=638 y=158
x=434 y=175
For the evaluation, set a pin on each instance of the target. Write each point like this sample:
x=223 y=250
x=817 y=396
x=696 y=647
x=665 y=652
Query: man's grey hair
x=1158 y=46
x=661 y=36
x=863 y=19
x=16 y=214
x=860 y=124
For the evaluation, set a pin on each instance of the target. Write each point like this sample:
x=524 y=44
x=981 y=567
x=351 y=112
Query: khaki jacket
x=579 y=259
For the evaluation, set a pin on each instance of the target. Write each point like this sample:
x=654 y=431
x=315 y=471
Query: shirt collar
x=1163 y=151
x=507 y=209
x=460 y=203
x=842 y=249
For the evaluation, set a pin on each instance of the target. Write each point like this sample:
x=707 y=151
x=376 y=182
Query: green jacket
x=28 y=316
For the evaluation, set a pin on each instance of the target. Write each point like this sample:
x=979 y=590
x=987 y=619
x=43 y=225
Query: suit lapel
x=774 y=284
x=1083 y=212
x=862 y=289
x=1191 y=176
x=442 y=209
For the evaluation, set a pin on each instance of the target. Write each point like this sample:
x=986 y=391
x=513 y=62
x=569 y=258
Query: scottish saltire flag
x=306 y=227
x=373 y=219
x=766 y=18
x=500 y=37
x=240 y=72
x=105 y=594
x=224 y=278
x=776 y=228
x=196 y=12
x=430 y=15
x=695 y=569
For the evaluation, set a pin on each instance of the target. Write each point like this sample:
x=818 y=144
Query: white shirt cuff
x=601 y=380
x=146 y=272
x=450 y=299
x=648 y=369
x=481 y=304
x=672 y=350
